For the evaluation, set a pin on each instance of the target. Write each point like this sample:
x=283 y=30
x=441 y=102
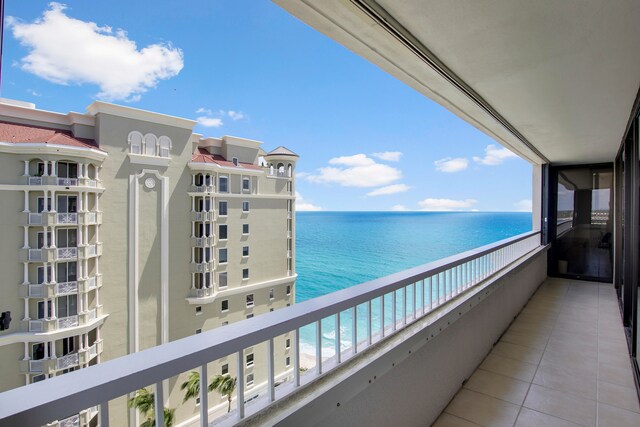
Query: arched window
x=280 y=169
x=135 y=142
x=150 y=142
x=165 y=146
x=289 y=170
x=270 y=169
x=199 y=180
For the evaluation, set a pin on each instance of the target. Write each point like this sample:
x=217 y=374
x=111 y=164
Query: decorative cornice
x=98 y=107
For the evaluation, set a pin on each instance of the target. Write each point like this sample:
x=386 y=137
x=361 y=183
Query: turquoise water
x=336 y=250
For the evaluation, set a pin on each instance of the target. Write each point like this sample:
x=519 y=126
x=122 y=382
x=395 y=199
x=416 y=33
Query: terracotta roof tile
x=19 y=133
x=203 y=156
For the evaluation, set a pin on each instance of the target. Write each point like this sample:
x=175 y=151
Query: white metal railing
x=67 y=361
x=67 y=218
x=203 y=188
x=66 y=288
x=91 y=250
x=399 y=300
x=68 y=182
x=91 y=183
x=35 y=254
x=67 y=253
x=93 y=351
x=36 y=291
x=35 y=219
x=36 y=326
x=35 y=180
x=67 y=322
x=91 y=217
x=36 y=365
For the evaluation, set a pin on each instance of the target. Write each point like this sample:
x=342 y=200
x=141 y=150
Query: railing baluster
x=296 y=357
x=424 y=301
x=319 y=346
x=393 y=309
x=382 y=316
x=437 y=277
x=204 y=401
x=354 y=328
x=369 y=324
x=271 y=371
x=240 y=385
x=159 y=404
x=413 y=297
x=430 y=293
x=104 y=414
x=337 y=340
x=404 y=305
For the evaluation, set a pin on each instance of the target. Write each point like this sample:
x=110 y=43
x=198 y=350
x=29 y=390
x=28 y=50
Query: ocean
x=336 y=250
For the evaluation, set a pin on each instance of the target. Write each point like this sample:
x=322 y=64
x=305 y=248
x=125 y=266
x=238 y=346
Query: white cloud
x=65 y=50
x=356 y=171
x=390 y=156
x=399 y=208
x=389 y=189
x=235 y=115
x=446 y=204
x=450 y=165
x=33 y=92
x=494 y=156
x=209 y=122
x=203 y=110
x=302 y=205
x=524 y=205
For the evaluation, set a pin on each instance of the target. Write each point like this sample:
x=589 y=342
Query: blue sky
x=248 y=68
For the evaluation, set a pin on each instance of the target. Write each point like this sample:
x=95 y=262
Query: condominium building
x=123 y=229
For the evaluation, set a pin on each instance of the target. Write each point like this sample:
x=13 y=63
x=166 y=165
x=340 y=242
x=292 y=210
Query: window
x=67 y=238
x=225 y=369
x=249 y=358
x=150 y=141
x=68 y=345
x=245 y=206
x=198 y=309
x=250 y=300
x=165 y=146
x=287 y=343
x=67 y=204
x=222 y=232
x=198 y=331
x=223 y=184
x=135 y=143
x=222 y=256
x=271 y=296
x=67 y=170
x=41 y=169
x=235 y=161
x=288 y=289
x=67 y=306
x=246 y=184
x=287 y=361
x=41 y=242
x=66 y=272
x=38 y=378
x=37 y=351
x=222 y=208
x=250 y=380
x=41 y=314
x=245 y=251
x=245 y=273
x=41 y=278
x=224 y=305
x=245 y=228
x=222 y=280
x=40 y=206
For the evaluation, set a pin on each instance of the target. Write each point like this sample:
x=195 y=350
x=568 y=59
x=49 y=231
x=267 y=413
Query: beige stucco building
x=122 y=230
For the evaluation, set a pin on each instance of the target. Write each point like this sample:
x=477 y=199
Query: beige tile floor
x=563 y=362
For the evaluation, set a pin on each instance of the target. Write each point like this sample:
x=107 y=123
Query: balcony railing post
x=354 y=329
x=296 y=357
x=337 y=339
x=319 y=346
x=104 y=414
x=413 y=298
x=204 y=401
x=404 y=305
x=393 y=310
x=159 y=404
x=382 y=316
x=369 y=324
x=271 y=372
x=240 y=385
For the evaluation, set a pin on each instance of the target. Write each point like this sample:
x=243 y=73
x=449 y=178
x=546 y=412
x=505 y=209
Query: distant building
x=123 y=230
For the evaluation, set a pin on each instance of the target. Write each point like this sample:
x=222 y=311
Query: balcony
x=202 y=242
x=201 y=293
x=49 y=290
x=66 y=218
x=90 y=251
x=90 y=283
x=66 y=253
x=203 y=216
x=90 y=218
x=202 y=267
x=202 y=188
x=475 y=293
x=57 y=324
x=87 y=355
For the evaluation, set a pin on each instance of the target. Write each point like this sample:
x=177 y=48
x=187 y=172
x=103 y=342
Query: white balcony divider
x=91 y=250
x=67 y=322
x=91 y=315
x=35 y=180
x=36 y=291
x=35 y=219
x=36 y=366
x=91 y=217
x=91 y=282
x=67 y=218
x=91 y=183
x=409 y=295
x=93 y=351
x=67 y=361
x=36 y=326
x=67 y=253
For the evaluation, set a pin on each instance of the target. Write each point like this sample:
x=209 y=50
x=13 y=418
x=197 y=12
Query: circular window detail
x=149 y=182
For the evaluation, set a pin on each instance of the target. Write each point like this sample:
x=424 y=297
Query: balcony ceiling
x=552 y=80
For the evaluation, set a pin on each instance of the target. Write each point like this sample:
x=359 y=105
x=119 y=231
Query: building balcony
x=90 y=283
x=88 y=183
x=202 y=267
x=56 y=324
x=202 y=189
x=202 y=242
x=203 y=216
x=90 y=251
x=66 y=218
x=90 y=353
x=48 y=290
x=90 y=218
x=201 y=293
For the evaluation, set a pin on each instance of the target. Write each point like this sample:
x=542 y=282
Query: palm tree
x=225 y=385
x=192 y=386
x=144 y=402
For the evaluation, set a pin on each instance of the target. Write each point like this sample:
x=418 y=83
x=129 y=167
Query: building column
x=80 y=235
x=26 y=201
x=26 y=238
x=46 y=349
x=54 y=204
x=46 y=168
x=53 y=349
x=536 y=198
x=26 y=351
x=54 y=170
x=53 y=308
x=81 y=305
x=53 y=237
x=46 y=203
x=193 y=204
x=25 y=272
x=26 y=168
x=26 y=309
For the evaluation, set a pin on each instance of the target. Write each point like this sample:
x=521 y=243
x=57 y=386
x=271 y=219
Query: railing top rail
x=40 y=402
